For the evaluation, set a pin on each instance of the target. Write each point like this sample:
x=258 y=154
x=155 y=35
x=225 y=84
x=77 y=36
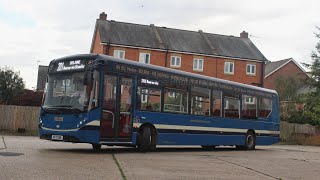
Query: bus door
x=116 y=124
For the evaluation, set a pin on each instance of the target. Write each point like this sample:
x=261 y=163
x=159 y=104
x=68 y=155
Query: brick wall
x=289 y=70
x=97 y=47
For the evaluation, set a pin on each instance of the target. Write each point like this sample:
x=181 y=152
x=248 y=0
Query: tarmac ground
x=23 y=157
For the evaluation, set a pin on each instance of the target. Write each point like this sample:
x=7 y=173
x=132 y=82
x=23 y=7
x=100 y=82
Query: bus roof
x=159 y=68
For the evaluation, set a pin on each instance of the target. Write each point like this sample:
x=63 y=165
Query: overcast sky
x=34 y=32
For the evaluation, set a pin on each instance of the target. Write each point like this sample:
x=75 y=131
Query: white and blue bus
x=102 y=100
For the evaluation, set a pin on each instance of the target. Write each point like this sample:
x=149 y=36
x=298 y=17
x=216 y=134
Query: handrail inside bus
x=106 y=111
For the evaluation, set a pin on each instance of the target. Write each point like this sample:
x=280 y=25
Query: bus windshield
x=66 y=91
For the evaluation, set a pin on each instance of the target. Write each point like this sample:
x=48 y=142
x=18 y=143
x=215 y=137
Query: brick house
x=286 y=68
x=226 y=57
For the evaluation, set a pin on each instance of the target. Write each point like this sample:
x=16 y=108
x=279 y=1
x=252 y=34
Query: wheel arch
x=252 y=131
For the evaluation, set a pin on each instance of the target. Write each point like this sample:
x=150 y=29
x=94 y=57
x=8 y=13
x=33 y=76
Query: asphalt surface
x=31 y=158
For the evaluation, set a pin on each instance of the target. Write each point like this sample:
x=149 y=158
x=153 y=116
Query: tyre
x=208 y=147
x=96 y=146
x=250 y=141
x=144 y=139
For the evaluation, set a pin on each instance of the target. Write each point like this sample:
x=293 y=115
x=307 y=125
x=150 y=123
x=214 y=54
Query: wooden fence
x=14 y=117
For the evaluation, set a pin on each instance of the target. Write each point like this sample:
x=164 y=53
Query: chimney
x=103 y=16
x=244 y=34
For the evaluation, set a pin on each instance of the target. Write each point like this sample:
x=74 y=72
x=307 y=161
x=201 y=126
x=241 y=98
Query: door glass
x=126 y=105
x=109 y=107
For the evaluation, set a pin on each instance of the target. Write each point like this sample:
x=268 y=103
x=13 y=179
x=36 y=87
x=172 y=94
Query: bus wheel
x=153 y=142
x=250 y=142
x=208 y=147
x=145 y=139
x=96 y=146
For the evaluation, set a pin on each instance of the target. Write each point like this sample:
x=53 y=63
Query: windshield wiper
x=44 y=111
x=75 y=111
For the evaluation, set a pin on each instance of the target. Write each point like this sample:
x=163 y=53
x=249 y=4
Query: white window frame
x=176 y=59
x=227 y=68
x=117 y=53
x=143 y=58
x=172 y=94
x=252 y=69
x=249 y=100
x=196 y=64
x=66 y=82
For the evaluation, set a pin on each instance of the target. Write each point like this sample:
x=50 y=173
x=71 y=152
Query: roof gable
x=137 y=35
x=272 y=67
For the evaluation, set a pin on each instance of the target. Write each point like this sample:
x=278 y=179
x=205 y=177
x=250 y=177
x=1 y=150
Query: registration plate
x=57 y=137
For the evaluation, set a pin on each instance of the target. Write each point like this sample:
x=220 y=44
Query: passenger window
x=149 y=98
x=175 y=101
x=216 y=106
x=249 y=107
x=265 y=107
x=200 y=101
x=231 y=107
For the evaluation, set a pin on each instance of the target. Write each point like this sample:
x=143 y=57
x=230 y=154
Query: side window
x=231 y=106
x=216 y=106
x=249 y=107
x=177 y=103
x=200 y=101
x=265 y=107
x=150 y=99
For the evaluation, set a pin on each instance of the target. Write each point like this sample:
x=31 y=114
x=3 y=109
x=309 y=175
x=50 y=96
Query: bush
x=304 y=117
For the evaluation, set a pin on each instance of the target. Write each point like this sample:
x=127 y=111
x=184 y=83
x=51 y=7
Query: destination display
x=167 y=77
x=67 y=65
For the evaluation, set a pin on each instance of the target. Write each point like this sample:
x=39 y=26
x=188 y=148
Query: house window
x=171 y=94
x=144 y=95
x=119 y=54
x=66 y=82
x=144 y=58
x=228 y=67
x=249 y=100
x=249 y=107
x=175 y=61
x=251 y=69
x=198 y=64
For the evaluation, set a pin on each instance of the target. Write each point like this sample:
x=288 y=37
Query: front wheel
x=144 y=139
x=96 y=146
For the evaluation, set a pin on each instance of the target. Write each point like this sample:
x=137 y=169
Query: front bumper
x=76 y=136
